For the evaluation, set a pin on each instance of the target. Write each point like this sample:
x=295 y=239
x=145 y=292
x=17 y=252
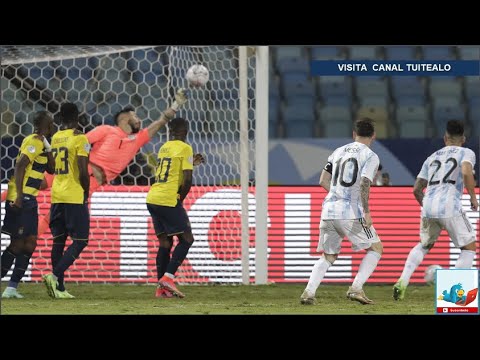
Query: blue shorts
x=19 y=223
x=70 y=219
x=169 y=220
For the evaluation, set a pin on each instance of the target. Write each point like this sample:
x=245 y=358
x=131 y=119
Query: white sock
x=171 y=276
x=465 y=260
x=318 y=272
x=413 y=260
x=368 y=264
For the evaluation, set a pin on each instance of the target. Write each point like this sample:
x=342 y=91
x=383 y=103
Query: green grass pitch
x=221 y=299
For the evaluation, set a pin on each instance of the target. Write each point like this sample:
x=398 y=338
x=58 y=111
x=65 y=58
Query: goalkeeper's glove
x=46 y=145
x=181 y=98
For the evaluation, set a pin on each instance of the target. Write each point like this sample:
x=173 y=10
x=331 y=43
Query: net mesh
x=102 y=80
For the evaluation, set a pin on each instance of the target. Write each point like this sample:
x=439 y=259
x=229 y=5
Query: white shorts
x=332 y=233
x=458 y=227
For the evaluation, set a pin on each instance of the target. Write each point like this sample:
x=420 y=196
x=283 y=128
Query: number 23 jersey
x=174 y=157
x=348 y=164
x=443 y=171
x=67 y=145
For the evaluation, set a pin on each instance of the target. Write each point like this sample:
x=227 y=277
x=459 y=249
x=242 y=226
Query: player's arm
x=83 y=170
x=326 y=176
x=20 y=168
x=420 y=185
x=367 y=176
x=421 y=182
x=469 y=181
x=365 y=184
x=169 y=114
x=186 y=185
x=83 y=150
x=50 y=159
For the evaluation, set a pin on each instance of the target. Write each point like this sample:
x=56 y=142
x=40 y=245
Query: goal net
x=102 y=80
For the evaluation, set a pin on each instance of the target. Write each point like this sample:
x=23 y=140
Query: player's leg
x=11 y=224
x=163 y=254
x=78 y=227
x=164 y=248
x=29 y=224
x=429 y=231
x=463 y=236
x=11 y=253
x=59 y=232
x=330 y=243
x=177 y=222
x=363 y=238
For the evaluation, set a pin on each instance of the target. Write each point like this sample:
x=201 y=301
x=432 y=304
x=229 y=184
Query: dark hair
x=39 y=118
x=455 y=128
x=178 y=124
x=380 y=167
x=385 y=175
x=123 y=111
x=364 y=127
x=69 y=113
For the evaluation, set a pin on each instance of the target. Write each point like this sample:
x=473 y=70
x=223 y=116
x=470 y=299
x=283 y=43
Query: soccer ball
x=197 y=75
x=430 y=272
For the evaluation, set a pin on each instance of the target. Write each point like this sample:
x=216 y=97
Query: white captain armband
x=328 y=167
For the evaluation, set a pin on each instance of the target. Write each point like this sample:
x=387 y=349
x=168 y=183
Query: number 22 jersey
x=443 y=171
x=348 y=164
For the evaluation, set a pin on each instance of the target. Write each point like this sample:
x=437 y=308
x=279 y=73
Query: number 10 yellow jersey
x=174 y=157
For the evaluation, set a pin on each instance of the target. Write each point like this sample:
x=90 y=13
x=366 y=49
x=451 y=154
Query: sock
x=368 y=264
x=318 y=272
x=7 y=261
x=21 y=265
x=56 y=255
x=171 y=276
x=179 y=254
x=163 y=258
x=72 y=253
x=413 y=260
x=465 y=260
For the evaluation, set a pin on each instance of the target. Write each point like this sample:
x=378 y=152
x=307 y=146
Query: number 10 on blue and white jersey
x=350 y=163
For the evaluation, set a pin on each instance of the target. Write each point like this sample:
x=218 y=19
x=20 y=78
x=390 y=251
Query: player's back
x=349 y=163
x=32 y=147
x=174 y=157
x=443 y=171
x=67 y=145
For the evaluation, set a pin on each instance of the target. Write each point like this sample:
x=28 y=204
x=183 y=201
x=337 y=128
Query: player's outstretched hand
x=181 y=98
x=198 y=159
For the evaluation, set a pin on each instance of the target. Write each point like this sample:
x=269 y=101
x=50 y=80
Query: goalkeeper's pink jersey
x=113 y=148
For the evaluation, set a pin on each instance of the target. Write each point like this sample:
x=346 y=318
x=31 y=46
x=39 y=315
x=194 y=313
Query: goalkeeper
x=114 y=147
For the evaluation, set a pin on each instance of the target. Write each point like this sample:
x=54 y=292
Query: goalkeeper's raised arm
x=169 y=114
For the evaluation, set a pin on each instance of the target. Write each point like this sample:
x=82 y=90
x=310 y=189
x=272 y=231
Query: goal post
x=228 y=215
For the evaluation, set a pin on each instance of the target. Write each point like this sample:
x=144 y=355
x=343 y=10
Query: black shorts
x=19 y=223
x=169 y=220
x=70 y=219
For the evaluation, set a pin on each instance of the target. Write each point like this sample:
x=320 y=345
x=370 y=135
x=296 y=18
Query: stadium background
x=308 y=118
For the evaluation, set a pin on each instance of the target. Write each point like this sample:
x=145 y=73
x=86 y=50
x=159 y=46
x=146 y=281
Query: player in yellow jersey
x=21 y=208
x=69 y=212
x=173 y=179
